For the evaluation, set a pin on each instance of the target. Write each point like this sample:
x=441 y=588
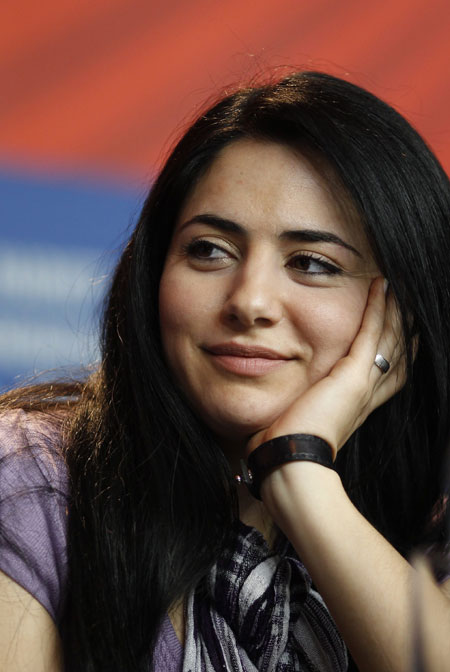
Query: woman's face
x=263 y=289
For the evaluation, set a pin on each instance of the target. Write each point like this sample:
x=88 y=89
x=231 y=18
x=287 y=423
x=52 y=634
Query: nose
x=254 y=297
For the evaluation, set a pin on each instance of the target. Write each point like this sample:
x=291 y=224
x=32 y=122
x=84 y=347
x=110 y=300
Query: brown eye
x=313 y=265
x=204 y=249
x=207 y=253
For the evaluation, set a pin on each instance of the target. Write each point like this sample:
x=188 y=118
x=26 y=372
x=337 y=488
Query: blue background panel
x=58 y=244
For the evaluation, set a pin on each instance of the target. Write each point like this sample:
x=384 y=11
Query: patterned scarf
x=262 y=615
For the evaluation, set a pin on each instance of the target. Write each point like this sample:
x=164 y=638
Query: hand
x=335 y=406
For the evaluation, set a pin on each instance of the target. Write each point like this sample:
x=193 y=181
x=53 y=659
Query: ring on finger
x=381 y=363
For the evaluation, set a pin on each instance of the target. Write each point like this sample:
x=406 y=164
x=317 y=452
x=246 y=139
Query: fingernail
x=385 y=285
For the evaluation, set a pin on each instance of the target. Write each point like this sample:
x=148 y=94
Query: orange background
x=101 y=87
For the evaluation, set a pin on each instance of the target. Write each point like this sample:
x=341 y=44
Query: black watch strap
x=282 y=449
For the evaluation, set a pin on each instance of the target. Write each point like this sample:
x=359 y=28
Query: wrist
x=296 y=489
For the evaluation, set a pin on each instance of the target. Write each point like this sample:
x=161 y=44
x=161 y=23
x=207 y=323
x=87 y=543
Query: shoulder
x=38 y=431
x=33 y=505
x=31 y=454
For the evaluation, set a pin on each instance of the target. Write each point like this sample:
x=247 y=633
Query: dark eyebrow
x=317 y=236
x=218 y=222
x=296 y=235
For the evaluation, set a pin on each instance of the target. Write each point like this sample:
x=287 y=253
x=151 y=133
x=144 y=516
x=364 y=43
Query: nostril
x=247 y=319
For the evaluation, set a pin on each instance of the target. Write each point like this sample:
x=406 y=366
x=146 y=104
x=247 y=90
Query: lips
x=246 y=360
x=236 y=350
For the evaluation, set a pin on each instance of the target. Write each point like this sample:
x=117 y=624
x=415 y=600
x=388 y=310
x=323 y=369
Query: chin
x=236 y=414
x=238 y=427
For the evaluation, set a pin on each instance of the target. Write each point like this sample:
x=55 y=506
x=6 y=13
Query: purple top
x=33 y=521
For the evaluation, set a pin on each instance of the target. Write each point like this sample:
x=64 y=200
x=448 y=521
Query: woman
x=251 y=304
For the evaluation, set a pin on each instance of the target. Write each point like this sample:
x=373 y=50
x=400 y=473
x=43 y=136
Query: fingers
x=380 y=332
x=366 y=343
x=391 y=345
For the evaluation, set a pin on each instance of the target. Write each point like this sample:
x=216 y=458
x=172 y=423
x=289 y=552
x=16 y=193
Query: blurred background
x=93 y=93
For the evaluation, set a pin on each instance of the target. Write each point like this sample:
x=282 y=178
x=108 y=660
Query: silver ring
x=382 y=363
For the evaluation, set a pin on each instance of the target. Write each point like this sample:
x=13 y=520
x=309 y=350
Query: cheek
x=184 y=308
x=331 y=328
x=174 y=302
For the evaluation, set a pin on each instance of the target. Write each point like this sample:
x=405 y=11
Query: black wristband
x=282 y=449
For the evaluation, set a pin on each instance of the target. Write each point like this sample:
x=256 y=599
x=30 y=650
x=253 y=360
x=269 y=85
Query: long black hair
x=153 y=498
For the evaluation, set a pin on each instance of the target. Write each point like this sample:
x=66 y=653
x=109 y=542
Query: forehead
x=265 y=185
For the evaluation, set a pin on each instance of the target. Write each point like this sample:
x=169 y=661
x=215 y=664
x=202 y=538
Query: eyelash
x=329 y=268
x=192 y=250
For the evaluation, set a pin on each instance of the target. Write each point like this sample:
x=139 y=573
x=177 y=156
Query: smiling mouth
x=250 y=361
